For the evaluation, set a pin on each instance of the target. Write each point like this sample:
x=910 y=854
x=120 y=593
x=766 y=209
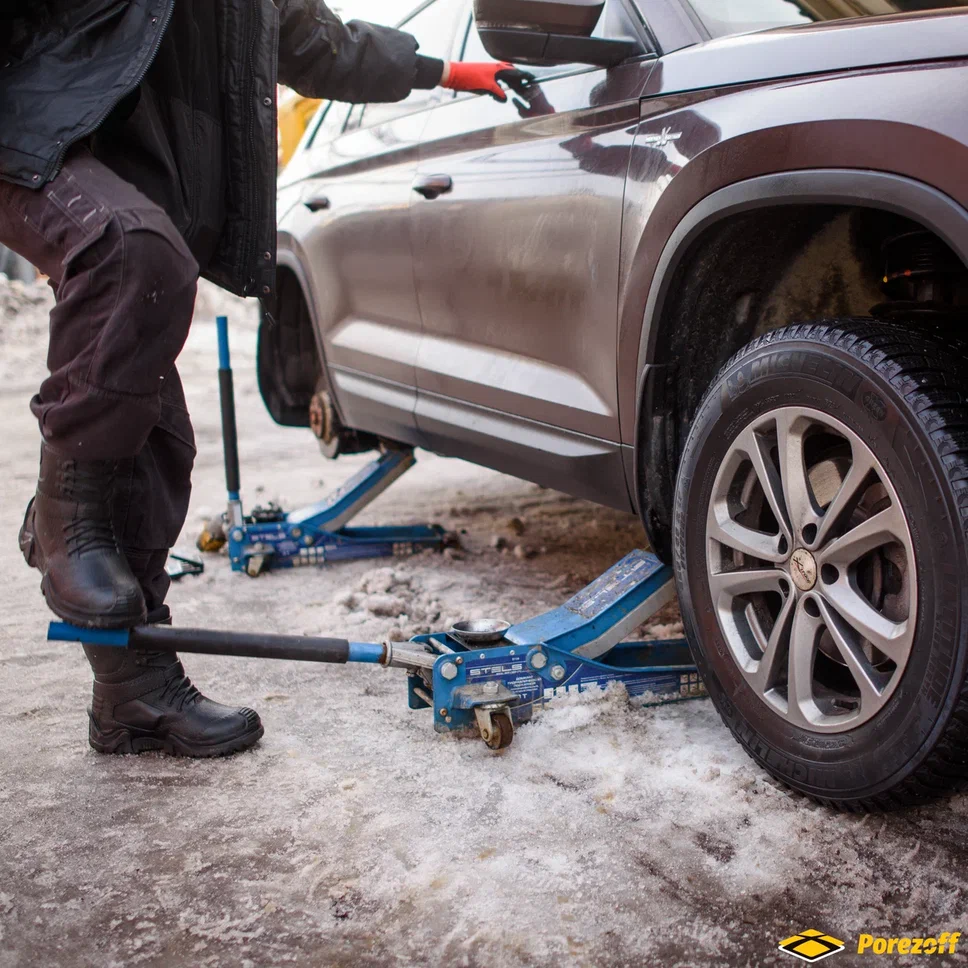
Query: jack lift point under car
x=486 y=674
x=317 y=534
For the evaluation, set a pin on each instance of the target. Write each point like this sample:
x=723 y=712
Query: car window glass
x=722 y=17
x=474 y=49
x=433 y=25
x=328 y=123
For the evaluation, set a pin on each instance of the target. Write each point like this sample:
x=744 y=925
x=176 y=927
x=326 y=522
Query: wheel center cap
x=803 y=569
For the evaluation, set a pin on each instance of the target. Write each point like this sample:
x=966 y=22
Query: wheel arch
x=659 y=429
x=284 y=383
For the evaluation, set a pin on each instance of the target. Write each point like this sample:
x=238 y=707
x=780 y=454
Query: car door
x=355 y=237
x=516 y=222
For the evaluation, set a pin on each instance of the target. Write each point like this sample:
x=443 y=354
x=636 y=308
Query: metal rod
x=226 y=394
x=424 y=695
x=408 y=658
x=439 y=643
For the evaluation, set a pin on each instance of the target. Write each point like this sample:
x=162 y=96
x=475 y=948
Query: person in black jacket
x=137 y=151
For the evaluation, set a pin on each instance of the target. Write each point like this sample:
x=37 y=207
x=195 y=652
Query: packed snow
x=606 y=835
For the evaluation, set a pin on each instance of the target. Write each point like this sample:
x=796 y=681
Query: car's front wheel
x=820 y=551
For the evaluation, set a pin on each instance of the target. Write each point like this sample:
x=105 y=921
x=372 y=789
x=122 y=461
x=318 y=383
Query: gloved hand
x=483 y=78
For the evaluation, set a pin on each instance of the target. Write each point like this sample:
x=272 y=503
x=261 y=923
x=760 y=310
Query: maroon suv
x=710 y=267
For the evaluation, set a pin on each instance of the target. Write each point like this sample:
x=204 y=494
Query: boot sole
x=85 y=619
x=124 y=741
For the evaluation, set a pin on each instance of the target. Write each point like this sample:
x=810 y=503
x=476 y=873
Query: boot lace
x=179 y=691
x=89 y=534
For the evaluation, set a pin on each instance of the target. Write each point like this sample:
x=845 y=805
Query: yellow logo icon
x=811 y=945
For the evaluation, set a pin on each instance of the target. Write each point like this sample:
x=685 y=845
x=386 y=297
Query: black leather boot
x=144 y=701
x=68 y=536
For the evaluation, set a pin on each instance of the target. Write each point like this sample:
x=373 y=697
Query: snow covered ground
x=353 y=835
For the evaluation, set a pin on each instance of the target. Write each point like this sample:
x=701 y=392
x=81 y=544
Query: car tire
x=836 y=656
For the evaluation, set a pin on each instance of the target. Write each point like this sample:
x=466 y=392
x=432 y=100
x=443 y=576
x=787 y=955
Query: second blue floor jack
x=270 y=538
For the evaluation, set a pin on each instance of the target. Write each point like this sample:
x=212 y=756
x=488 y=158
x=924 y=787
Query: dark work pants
x=125 y=285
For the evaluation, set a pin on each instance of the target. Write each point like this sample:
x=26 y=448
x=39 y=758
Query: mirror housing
x=548 y=32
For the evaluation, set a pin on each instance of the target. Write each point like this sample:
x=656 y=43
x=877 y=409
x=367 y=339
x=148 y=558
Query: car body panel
x=508 y=320
x=690 y=144
x=357 y=249
x=819 y=48
x=517 y=266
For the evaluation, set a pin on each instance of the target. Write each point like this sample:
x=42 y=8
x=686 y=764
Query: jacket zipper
x=145 y=67
x=248 y=256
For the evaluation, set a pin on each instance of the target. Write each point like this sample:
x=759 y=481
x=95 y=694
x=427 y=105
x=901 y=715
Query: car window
x=328 y=122
x=721 y=17
x=433 y=24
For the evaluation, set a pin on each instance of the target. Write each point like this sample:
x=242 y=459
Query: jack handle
x=252 y=645
x=164 y=638
x=226 y=396
x=230 y=436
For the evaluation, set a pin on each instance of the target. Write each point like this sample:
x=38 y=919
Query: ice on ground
x=607 y=835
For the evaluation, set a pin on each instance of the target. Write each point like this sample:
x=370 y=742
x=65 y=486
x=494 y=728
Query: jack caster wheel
x=255 y=565
x=496 y=728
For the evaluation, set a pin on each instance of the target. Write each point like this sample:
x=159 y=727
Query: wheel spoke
x=803 y=645
x=768 y=668
x=745 y=581
x=892 y=638
x=879 y=529
x=752 y=444
x=755 y=544
x=793 y=471
x=843 y=501
x=871 y=697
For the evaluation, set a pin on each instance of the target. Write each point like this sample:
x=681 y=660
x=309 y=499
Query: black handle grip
x=164 y=638
x=230 y=436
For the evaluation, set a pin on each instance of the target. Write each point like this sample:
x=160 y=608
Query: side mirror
x=548 y=32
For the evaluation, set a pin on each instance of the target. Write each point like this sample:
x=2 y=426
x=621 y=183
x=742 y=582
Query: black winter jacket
x=202 y=75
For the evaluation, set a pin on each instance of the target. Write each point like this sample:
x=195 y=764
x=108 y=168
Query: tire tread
x=928 y=370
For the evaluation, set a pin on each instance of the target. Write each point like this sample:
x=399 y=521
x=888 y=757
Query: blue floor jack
x=271 y=538
x=486 y=674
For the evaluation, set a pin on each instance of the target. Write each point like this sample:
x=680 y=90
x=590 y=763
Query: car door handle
x=317 y=203
x=430 y=186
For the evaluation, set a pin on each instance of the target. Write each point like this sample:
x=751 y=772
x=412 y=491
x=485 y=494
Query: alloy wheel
x=811 y=569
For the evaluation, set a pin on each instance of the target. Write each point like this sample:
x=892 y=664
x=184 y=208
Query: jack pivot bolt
x=539 y=660
x=448 y=670
x=558 y=672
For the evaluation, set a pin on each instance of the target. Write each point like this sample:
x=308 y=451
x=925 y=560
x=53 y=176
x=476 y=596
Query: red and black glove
x=484 y=78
